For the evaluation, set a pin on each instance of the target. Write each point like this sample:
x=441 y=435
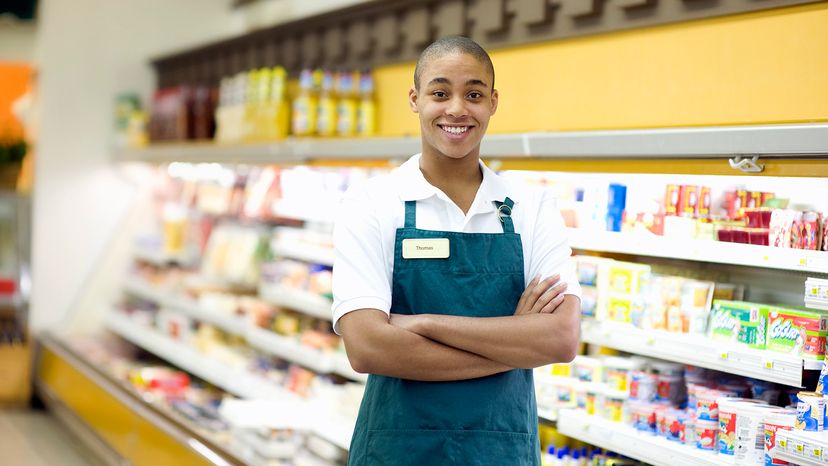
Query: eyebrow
x=470 y=82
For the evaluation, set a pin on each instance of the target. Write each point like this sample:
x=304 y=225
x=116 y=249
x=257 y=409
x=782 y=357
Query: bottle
x=326 y=106
x=277 y=108
x=346 y=106
x=549 y=457
x=250 y=114
x=305 y=104
x=366 y=112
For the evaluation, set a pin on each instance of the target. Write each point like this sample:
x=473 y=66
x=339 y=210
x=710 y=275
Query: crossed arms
x=429 y=347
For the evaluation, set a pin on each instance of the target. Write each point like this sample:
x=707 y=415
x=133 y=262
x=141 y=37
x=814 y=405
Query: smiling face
x=455 y=101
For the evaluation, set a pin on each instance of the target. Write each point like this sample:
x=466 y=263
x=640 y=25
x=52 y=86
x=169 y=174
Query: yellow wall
x=767 y=67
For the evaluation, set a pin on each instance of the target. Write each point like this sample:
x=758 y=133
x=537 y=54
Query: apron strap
x=504 y=212
x=411 y=214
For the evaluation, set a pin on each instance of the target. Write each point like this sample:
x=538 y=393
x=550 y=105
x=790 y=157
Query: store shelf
x=158 y=258
x=234 y=381
x=802 y=448
x=820 y=304
x=627 y=441
x=142 y=289
x=699 y=351
x=229 y=323
x=708 y=142
x=314 y=255
x=290 y=349
x=298 y=300
x=750 y=255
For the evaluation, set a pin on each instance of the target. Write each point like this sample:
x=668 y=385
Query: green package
x=797 y=331
x=740 y=322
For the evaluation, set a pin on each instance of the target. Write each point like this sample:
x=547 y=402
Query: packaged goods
x=588 y=369
x=671 y=200
x=593 y=392
x=707 y=433
x=705 y=199
x=675 y=420
x=810 y=411
x=614 y=406
x=781 y=227
x=740 y=322
x=809 y=231
x=643 y=386
x=643 y=417
x=589 y=301
x=799 y=332
x=626 y=277
x=774 y=421
x=750 y=433
x=617 y=372
x=661 y=420
x=822 y=383
x=688 y=201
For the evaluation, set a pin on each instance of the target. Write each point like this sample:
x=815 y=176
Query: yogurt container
x=643 y=385
x=587 y=369
x=643 y=417
x=776 y=420
x=707 y=433
x=614 y=406
x=750 y=433
x=670 y=389
x=810 y=411
x=617 y=372
x=675 y=421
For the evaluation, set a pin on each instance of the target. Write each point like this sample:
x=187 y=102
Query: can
x=810 y=411
x=776 y=420
x=707 y=433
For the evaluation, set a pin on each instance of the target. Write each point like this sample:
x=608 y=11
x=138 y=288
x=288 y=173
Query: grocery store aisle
x=36 y=438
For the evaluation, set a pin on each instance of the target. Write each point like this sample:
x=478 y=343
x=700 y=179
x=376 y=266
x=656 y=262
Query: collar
x=414 y=187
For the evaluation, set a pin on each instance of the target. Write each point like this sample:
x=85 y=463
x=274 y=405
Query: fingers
x=553 y=304
x=522 y=305
x=548 y=295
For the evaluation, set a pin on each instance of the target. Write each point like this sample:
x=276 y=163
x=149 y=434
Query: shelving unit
x=699 y=351
x=304 y=253
x=290 y=349
x=298 y=300
x=802 y=448
x=160 y=259
x=715 y=142
x=700 y=250
x=236 y=382
x=629 y=442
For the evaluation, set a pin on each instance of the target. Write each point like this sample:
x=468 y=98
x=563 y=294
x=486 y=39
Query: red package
x=759 y=236
x=671 y=200
x=732 y=204
x=704 y=201
x=740 y=235
x=688 y=201
x=824 y=229
x=742 y=197
x=754 y=199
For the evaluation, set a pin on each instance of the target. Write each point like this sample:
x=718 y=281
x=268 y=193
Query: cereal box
x=799 y=332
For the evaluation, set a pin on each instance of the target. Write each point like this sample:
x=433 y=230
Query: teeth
x=456 y=129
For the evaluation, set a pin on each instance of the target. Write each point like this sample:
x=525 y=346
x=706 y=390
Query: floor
x=36 y=438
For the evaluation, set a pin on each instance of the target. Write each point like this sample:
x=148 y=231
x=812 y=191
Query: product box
x=740 y=322
x=626 y=277
x=800 y=332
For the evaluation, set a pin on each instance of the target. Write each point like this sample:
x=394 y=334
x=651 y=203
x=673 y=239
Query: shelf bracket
x=746 y=164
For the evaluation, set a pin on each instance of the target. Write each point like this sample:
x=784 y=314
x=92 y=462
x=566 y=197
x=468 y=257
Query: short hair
x=447 y=45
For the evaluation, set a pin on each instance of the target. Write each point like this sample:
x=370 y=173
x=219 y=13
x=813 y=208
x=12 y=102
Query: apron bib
x=485 y=421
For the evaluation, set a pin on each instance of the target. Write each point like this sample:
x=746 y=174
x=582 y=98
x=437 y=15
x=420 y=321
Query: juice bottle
x=326 y=109
x=366 y=113
x=277 y=107
x=346 y=106
x=305 y=104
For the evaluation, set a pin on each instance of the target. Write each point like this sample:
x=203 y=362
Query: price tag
x=723 y=355
x=765 y=258
x=803 y=261
x=799 y=447
x=783 y=442
x=816 y=452
x=768 y=364
x=650 y=341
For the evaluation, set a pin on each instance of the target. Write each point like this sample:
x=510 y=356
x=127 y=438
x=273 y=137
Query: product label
x=770 y=443
x=727 y=433
x=722 y=324
x=797 y=334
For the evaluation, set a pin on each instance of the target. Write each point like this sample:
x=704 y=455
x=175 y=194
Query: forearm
x=517 y=341
x=384 y=349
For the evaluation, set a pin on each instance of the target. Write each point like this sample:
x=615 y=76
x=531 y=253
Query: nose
x=457 y=107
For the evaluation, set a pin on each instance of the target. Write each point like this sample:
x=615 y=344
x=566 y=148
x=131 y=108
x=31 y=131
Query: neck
x=459 y=179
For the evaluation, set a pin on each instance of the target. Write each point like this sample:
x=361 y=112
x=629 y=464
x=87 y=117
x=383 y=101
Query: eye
x=439 y=94
x=475 y=95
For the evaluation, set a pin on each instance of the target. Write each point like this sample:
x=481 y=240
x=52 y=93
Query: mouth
x=456 y=131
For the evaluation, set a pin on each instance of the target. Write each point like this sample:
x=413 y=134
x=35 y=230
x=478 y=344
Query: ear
x=412 y=99
x=495 y=96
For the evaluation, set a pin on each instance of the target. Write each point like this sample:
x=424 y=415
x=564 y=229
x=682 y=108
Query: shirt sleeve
x=550 y=249
x=361 y=274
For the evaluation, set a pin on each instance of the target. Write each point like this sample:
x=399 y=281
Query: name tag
x=425 y=248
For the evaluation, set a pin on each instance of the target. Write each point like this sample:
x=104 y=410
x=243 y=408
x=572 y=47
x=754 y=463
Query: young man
x=432 y=288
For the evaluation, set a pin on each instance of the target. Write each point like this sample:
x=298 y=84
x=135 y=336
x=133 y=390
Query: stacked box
x=624 y=283
x=739 y=322
x=799 y=332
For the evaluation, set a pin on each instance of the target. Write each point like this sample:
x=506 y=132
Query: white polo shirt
x=372 y=211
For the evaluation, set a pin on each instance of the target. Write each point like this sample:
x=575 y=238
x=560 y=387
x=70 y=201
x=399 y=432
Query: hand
x=407 y=321
x=541 y=296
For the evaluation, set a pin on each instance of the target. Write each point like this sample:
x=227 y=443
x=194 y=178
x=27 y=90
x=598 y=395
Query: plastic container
x=707 y=433
x=643 y=417
x=707 y=409
x=729 y=412
x=594 y=392
x=643 y=386
x=750 y=433
x=776 y=420
x=670 y=389
x=588 y=369
x=614 y=406
x=617 y=372
x=810 y=411
x=675 y=421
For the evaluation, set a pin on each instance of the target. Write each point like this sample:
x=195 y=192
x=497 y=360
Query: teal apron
x=485 y=421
